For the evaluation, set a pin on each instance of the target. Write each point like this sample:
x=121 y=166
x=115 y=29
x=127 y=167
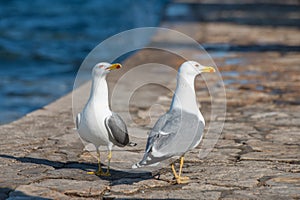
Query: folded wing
x=117 y=130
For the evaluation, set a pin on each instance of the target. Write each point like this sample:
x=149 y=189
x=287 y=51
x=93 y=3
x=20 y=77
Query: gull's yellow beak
x=114 y=66
x=208 y=69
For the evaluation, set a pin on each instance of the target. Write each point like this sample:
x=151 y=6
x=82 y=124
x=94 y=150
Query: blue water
x=42 y=44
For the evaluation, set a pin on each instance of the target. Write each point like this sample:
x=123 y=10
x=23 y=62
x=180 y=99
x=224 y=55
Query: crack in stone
x=262 y=181
x=145 y=188
x=225 y=193
x=75 y=194
x=236 y=187
x=268 y=160
x=244 y=149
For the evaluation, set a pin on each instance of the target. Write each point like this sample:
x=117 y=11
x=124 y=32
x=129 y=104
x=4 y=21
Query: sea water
x=43 y=43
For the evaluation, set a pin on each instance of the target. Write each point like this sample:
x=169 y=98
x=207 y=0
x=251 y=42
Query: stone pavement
x=256 y=157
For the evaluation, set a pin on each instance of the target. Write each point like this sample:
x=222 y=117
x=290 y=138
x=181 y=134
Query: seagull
x=97 y=124
x=181 y=128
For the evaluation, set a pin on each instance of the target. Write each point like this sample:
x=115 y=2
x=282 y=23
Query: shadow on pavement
x=115 y=178
x=15 y=194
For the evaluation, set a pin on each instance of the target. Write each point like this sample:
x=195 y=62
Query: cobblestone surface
x=256 y=157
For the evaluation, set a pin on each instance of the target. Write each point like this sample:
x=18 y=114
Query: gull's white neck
x=99 y=92
x=185 y=97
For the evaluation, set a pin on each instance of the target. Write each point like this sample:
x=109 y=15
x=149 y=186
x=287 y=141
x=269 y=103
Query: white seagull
x=97 y=124
x=181 y=128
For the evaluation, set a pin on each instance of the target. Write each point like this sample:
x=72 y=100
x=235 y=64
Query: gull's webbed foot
x=98 y=172
x=107 y=173
x=182 y=180
x=179 y=179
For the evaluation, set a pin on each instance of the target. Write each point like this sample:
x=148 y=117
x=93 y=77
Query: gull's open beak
x=208 y=69
x=114 y=66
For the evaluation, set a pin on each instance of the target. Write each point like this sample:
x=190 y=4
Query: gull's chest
x=95 y=115
x=92 y=127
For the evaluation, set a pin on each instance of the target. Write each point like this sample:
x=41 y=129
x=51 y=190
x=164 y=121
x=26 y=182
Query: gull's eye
x=100 y=66
x=196 y=65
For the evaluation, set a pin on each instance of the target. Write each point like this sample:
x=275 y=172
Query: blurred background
x=43 y=43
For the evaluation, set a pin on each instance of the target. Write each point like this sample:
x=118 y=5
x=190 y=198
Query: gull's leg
x=107 y=173
x=174 y=171
x=181 y=164
x=180 y=179
x=99 y=171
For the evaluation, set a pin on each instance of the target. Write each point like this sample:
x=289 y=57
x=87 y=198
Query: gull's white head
x=103 y=68
x=193 y=68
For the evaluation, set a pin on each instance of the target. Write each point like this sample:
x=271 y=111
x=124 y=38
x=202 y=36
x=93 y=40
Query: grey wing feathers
x=175 y=133
x=117 y=130
x=155 y=131
x=169 y=124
